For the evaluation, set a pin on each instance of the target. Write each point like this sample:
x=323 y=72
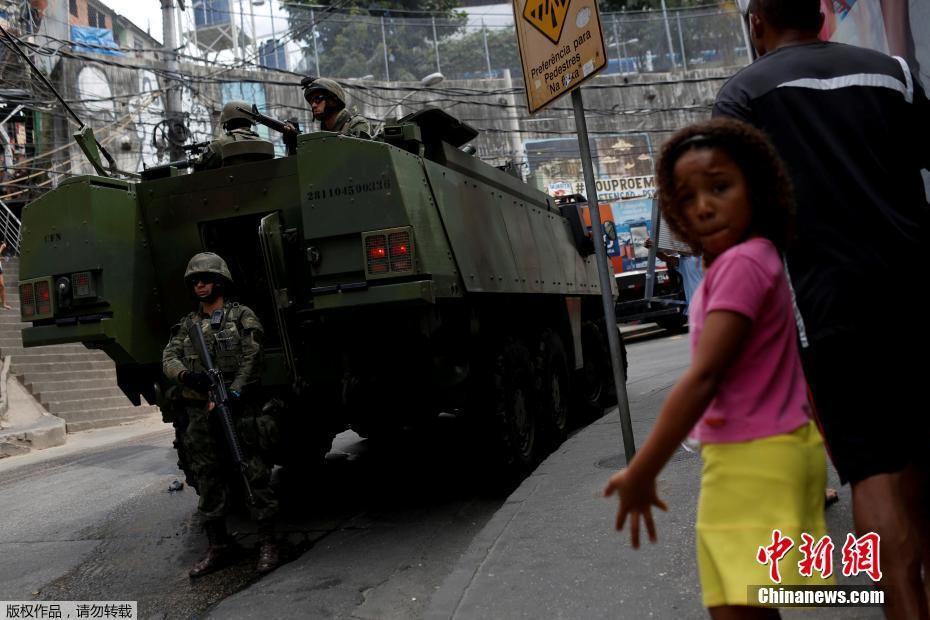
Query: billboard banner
x=896 y=27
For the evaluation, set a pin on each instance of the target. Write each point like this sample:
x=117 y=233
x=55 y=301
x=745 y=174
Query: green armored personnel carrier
x=396 y=279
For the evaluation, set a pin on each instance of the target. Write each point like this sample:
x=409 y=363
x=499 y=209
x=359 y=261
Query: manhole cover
x=619 y=460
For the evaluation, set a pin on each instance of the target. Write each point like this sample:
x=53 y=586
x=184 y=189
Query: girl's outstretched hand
x=637 y=497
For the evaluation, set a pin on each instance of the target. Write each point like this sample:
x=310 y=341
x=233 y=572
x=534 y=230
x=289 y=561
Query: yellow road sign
x=547 y=16
x=561 y=46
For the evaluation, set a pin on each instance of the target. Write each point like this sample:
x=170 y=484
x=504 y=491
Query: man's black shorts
x=869 y=392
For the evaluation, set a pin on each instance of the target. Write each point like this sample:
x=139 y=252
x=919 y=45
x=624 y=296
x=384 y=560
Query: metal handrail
x=10 y=229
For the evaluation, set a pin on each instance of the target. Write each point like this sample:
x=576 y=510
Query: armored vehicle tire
x=554 y=382
x=508 y=407
x=594 y=382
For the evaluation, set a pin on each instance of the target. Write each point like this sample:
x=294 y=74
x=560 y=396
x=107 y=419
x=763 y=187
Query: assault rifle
x=267 y=121
x=219 y=396
x=290 y=136
x=195 y=149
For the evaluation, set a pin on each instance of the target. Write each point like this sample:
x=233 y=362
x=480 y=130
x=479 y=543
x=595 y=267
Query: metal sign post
x=604 y=274
x=562 y=45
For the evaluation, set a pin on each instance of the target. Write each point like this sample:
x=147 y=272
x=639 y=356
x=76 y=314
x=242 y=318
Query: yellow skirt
x=749 y=489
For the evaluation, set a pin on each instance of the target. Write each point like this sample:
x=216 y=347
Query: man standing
x=234 y=339
x=854 y=130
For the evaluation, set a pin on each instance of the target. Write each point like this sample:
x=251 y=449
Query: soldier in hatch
x=237 y=126
x=327 y=101
x=234 y=338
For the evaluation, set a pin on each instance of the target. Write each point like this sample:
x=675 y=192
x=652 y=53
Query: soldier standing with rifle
x=224 y=428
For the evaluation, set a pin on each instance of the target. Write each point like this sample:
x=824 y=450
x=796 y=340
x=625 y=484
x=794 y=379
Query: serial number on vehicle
x=353 y=189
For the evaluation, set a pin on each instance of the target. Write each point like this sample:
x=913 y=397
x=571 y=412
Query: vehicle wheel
x=303 y=442
x=509 y=406
x=594 y=383
x=674 y=323
x=554 y=386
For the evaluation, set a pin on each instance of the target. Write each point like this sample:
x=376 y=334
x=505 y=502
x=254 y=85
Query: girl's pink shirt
x=764 y=392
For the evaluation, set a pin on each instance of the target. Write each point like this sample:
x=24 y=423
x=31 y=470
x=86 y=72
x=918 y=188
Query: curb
x=628 y=331
x=46 y=432
x=447 y=599
x=4 y=393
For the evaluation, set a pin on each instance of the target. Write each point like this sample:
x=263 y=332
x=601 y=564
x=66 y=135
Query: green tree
x=464 y=56
x=645 y=5
x=347 y=35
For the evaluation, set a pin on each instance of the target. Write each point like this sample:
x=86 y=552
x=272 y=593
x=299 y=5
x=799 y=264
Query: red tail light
x=401 y=255
x=43 y=298
x=27 y=300
x=376 y=253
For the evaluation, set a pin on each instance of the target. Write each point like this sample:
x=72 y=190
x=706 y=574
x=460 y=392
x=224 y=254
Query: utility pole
x=274 y=38
x=513 y=124
x=668 y=35
x=254 y=33
x=316 y=52
x=177 y=131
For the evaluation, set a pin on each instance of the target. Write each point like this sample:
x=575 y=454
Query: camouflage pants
x=212 y=467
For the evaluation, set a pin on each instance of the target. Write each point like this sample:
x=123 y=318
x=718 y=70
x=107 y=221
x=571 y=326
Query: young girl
x=724 y=191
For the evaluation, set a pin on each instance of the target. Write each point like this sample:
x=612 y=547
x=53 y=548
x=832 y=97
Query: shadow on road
x=380 y=486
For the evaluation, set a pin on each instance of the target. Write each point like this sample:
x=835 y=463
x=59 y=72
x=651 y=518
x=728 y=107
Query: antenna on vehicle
x=84 y=136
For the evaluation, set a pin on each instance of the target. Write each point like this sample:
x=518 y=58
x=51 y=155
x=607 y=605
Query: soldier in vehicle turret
x=234 y=339
x=328 y=102
x=237 y=126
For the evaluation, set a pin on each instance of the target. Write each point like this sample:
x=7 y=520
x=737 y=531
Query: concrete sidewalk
x=24 y=424
x=551 y=550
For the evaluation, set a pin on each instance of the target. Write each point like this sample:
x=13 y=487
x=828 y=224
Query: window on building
x=72 y=7
x=96 y=19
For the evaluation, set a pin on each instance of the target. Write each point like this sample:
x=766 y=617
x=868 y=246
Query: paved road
x=374 y=538
x=379 y=533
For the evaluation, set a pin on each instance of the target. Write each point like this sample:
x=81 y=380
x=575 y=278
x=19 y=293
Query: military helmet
x=230 y=112
x=327 y=86
x=207 y=262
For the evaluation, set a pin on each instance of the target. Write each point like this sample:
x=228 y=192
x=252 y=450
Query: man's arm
x=922 y=118
x=732 y=102
x=251 y=334
x=171 y=357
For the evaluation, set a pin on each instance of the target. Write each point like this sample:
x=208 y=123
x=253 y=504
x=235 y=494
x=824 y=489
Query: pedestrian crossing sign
x=547 y=16
x=561 y=45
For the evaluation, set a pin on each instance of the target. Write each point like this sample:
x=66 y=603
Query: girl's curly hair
x=770 y=191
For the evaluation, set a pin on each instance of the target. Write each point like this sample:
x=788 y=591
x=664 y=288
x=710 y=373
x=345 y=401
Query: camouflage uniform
x=237 y=126
x=348 y=124
x=236 y=349
x=212 y=156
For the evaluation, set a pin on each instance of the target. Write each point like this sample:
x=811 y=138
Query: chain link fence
x=391 y=48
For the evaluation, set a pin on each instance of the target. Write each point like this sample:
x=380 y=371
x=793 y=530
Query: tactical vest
x=224 y=344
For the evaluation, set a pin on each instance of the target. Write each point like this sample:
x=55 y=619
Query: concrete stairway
x=71 y=381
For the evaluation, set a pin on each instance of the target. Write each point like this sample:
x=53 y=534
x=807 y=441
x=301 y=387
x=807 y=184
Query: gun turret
x=289 y=128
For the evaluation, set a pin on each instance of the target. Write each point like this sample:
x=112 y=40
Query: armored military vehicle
x=396 y=279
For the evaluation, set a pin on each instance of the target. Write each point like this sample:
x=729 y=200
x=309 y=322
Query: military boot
x=221 y=551
x=269 y=554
